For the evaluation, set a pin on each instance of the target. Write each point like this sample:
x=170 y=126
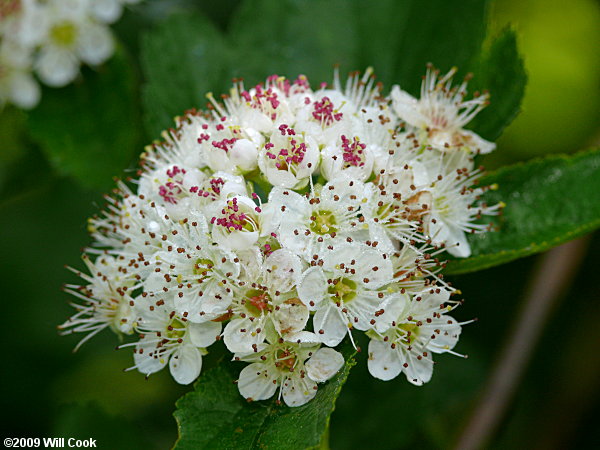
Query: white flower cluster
x=52 y=38
x=283 y=220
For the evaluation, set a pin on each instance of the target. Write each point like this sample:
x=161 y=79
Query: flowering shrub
x=283 y=220
x=289 y=231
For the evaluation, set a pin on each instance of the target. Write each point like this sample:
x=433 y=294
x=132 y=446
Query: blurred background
x=49 y=391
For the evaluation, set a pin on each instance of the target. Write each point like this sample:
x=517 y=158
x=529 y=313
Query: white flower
x=271 y=304
x=359 y=208
x=289 y=159
x=181 y=146
x=420 y=329
x=130 y=225
x=70 y=36
x=349 y=156
x=23 y=22
x=294 y=368
x=107 y=300
x=309 y=224
x=197 y=273
x=176 y=187
x=322 y=118
x=415 y=268
x=170 y=338
x=455 y=206
x=442 y=112
x=228 y=147
x=235 y=223
x=396 y=209
x=53 y=38
x=17 y=86
x=346 y=289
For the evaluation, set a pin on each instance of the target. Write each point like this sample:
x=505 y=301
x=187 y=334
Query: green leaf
x=500 y=71
x=13 y=145
x=293 y=37
x=89 y=130
x=89 y=421
x=399 y=38
x=183 y=59
x=548 y=201
x=215 y=415
x=12 y=129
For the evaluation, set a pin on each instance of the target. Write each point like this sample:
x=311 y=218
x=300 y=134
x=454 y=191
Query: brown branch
x=553 y=276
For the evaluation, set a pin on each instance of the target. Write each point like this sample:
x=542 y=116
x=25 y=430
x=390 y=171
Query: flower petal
x=291 y=317
x=447 y=337
x=204 y=334
x=406 y=106
x=457 y=244
x=384 y=362
x=474 y=140
x=145 y=357
x=57 y=67
x=107 y=11
x=238 y=341
x=418 y=370
x=392 y=307
x=256 y=382
x=24 y=91
x=330 y=325
x=313 y=287
x=185 y=364
x=95 y=44
x=324 y=364
x=283 y=270
x=298 y=391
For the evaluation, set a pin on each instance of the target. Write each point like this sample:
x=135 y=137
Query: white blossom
x=283 y=220
x=455 y=203
x=53 y=38
x=17 y=85
x=420 y=329
x=271 y=304
x=289 y=159
x=294 y=368
x=348 y=290
x=107 y=302
x=307 y=225
x=168 y=338
x=70 y=37
x=441 y=113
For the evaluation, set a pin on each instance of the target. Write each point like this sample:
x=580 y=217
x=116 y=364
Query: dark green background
x=49 y=391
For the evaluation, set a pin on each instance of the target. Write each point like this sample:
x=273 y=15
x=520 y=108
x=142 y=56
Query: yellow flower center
x=64 y=34
x=411 y=330
x=342 y=289
x=176 y=329
x=323 y=222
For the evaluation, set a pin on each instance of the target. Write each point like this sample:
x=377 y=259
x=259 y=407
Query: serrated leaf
x=292 y=37
x=548 y=201
x=183 y=59
x=89 y=129
x=501 y=72
x=399 y=38
x=215 y=415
